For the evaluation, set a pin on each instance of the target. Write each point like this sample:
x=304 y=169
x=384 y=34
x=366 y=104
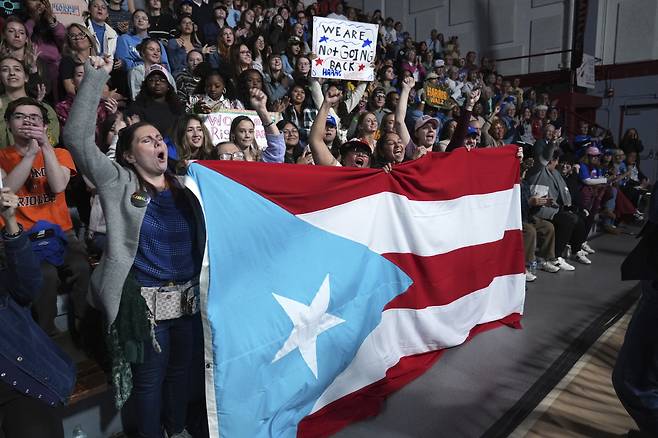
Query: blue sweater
x=166 y=249
x=127 y=51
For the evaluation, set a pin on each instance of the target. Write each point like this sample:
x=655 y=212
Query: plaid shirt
x=307 y=118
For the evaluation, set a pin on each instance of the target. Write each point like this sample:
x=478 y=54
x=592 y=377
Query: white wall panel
x=462 y=11
x=636 y=30
x=501 y=23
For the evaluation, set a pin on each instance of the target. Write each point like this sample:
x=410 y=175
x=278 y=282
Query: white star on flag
x=308 y=322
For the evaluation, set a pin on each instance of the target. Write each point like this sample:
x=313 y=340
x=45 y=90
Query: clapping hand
x=280 y=105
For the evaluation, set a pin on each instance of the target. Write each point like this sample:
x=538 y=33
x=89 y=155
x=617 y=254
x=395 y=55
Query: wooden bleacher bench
x=90 y=381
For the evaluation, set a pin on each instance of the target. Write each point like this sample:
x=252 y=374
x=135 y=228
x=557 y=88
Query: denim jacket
x=27 y=350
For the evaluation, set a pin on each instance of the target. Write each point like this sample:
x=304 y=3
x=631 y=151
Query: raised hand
x=258 y=99
x=474 y=96
x=206 y=50
x=333 y=97
x=41 y=91
x=102 y=62
x=408 y=83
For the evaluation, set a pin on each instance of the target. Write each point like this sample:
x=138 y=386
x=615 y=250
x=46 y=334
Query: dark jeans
x=635 y=376
x=76 y=270
x=22 y=416
x=161 y=385
x=569 y=228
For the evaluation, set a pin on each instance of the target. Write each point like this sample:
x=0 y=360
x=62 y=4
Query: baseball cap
x=355 y=143
x=425 y=119
x=439 y=63
x=471 y=131
x=331 y=120
x=431 y=76
x=157 y=68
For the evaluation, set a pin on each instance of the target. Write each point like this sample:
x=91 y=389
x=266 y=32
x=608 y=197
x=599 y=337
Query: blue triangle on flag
x=257 y=252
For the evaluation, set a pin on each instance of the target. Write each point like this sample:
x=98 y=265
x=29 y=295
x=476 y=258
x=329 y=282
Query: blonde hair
x=82 y=28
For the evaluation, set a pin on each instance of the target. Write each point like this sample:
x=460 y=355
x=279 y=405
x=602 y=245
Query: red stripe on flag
x=368 y=401
x=444 y=278
x=435 y=177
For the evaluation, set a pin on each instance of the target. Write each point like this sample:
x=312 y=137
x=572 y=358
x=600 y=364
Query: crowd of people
x=101 y=117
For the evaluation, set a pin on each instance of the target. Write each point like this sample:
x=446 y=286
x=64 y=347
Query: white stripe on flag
x=391 y=223
x=404 y=332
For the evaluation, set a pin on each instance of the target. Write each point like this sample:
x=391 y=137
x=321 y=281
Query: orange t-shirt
x=35 y=200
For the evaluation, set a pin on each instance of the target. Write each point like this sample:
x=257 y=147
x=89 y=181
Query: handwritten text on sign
x=219 y=126
x=69 y=11
x=344 y=49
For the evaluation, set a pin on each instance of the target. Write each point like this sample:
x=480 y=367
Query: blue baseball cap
x=331 y=120
x=472 y=131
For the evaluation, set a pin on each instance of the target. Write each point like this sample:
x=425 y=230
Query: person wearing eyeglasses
x=13 y=78
x=155 y=244
x=228 y=151
x=80 y=45
x=38 y=173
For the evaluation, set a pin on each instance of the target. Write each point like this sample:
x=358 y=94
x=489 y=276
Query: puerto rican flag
x=325 y=289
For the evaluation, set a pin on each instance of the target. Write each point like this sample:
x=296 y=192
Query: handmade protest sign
x=343 y=49
x=69 y=11
x=219 y=126
x=435 y=95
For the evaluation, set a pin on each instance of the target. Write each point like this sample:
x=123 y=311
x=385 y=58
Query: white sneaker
x=562 y=264
x=585 y=246
x=549 y=267
x=581 y=257
x=529 y=276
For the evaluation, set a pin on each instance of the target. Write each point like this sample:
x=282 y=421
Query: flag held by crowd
x=324 y=282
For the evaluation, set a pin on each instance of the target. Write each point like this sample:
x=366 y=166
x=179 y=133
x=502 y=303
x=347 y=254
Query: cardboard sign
x=435 y=95
x=219 y=126
x=344 y=49
x=69 y=11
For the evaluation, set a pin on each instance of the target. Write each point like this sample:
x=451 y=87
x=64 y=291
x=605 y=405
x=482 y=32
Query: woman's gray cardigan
x=115 y=185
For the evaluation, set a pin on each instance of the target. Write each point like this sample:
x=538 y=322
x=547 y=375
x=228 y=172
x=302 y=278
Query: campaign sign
x=435 y=95
x=69 y=11
x=343 y=49
x=219 y=126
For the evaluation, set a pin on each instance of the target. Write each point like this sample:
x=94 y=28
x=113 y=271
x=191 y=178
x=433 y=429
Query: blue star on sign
x=323 y=39
x=366 y=43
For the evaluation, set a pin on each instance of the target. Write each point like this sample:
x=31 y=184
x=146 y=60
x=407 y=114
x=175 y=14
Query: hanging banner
x=219 y=126
x=69 y=11
x=585 y=73
x=343 y=49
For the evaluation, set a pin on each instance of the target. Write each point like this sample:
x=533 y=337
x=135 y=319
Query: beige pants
x=542 y=231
